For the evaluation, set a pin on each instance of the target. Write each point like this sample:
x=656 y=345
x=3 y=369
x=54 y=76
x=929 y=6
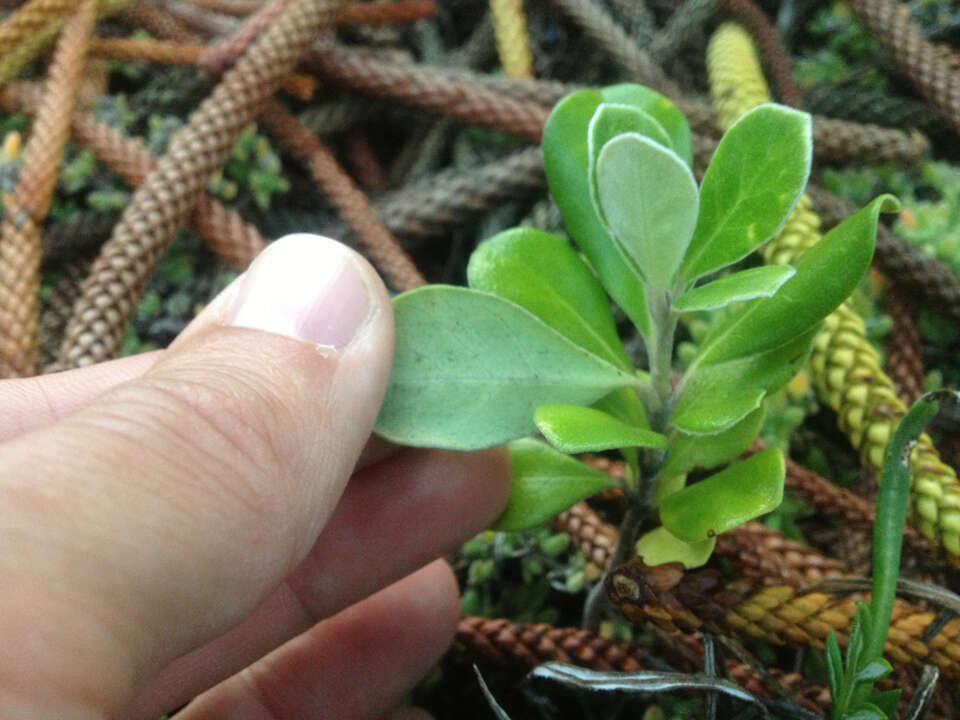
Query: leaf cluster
x=531 y=345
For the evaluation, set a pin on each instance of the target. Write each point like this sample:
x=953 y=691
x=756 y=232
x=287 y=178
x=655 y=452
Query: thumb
x=157 y=517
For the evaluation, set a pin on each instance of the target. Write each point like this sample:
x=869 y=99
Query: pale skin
x=215 y=521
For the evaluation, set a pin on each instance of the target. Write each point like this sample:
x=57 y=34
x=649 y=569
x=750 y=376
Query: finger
x=180 y=500
x=31 y=403
x=392 y=519
x=358 y=664
x=408 y=713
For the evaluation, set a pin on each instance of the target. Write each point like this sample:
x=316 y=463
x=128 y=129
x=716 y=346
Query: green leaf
x=707 y=451
x=858 y=629
x=565 y=160
x=659 y=547
x=572 y=429
x=610 y=121
x=741 y=492
x=715 y=397
x=891 y=514
x=745 y=285
x=753 y=182
x=545 y=482
x=866 y=711
x=648 y=198
x=625 y=405
x=886 y=701
x=873 y=671
x=834 y=663
x=664 y=111
x=470 y=368
x=541 y=273
x=826 y=275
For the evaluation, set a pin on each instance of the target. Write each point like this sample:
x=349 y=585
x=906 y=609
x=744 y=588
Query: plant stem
x=597 y=601
x=661 y=355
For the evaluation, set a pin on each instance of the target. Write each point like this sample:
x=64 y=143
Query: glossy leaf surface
x=573 y=429
x=741 y=492
x=565 y=160
x=470 y=368
x=755 y=177
x=542 y=273
x=826 y=275
x=718 y=396
x=745 y=285
x=659 y=547
x=545 y=482
x=648 y=198
x=691 y=451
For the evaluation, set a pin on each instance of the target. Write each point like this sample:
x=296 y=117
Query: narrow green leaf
x=470 y=368
x=855 y=645
x=753 y=182
x=738 y=287
x=573 y=429
x=566 y=161
x=873 y=671
x=648 y=198
x=545 y=482
x=707 y=451
x=834 y=664
x=741 y=492
x=826 y=275
x=665 y=112
x=659 y=547
x=541 y=273
x=715 y=397
x=892 y=501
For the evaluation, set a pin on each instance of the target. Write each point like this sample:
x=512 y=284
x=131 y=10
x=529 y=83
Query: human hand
x=180 y=522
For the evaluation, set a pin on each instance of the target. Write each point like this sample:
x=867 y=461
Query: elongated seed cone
x=928 y=66
x=902 y=345
x=765 y=554
x=56 y=308
x=736 y=78
x=844 y=366
x=435 y=205
x=170 y=190
x=20 y=238
x=430 y=89
x=221 y=229
x=845 y=141
x=378 y=242
x=869 y=106
x=513 y=42
x=158 y=22
x=774 y=56
x=683 y=23
x=680 y=601
x=30 y=18
x=513 y=644
x=604 y=30
x=594 y=537
x=221 y=55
